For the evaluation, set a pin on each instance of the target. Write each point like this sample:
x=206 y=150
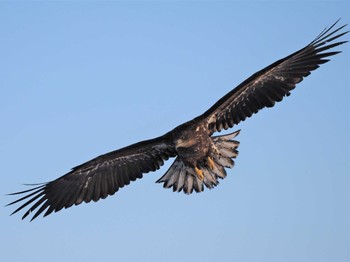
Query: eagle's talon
x=211 y=163
x=199 y=173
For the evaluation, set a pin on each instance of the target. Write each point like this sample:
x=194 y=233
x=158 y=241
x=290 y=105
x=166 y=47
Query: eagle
x=200 y=156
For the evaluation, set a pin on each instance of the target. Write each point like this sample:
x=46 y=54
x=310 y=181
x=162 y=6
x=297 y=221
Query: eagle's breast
x=193 y=143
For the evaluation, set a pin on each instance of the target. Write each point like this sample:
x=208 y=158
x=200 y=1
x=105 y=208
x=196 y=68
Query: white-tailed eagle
x=201 y=158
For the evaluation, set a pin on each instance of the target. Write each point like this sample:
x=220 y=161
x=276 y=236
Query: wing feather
x=273 y=83
x=97 y=178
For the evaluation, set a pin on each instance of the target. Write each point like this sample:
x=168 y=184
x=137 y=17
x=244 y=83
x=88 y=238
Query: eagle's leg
x=211 y=163
x=199 y=173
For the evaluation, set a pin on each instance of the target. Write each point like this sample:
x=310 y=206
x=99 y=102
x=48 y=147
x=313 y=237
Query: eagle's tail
x=181 y=177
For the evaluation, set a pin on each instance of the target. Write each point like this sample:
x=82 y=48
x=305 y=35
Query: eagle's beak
x=184 y=143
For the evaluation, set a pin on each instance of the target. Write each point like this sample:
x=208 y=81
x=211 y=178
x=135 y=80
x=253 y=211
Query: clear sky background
x=79 y=79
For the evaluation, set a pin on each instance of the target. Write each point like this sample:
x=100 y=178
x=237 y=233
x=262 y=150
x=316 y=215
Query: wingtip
x=339 y=19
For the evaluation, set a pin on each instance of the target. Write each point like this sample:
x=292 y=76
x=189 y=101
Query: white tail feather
x=181 y=181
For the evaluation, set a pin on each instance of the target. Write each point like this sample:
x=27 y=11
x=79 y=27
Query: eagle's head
x=185 y=139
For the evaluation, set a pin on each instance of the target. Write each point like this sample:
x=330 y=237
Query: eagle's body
x=201 y=158
x=192 y=142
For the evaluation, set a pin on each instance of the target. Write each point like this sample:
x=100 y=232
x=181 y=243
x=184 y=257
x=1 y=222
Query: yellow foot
x=199 y=173
x=211 y=163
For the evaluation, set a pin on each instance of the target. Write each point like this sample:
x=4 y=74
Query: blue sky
x=79 y=79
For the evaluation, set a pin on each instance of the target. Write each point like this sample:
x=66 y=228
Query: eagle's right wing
x=99 y=177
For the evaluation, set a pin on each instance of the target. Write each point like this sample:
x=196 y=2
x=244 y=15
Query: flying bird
x=200 y=157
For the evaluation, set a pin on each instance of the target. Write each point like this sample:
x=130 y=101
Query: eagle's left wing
x=272 y=83
x=99 y=177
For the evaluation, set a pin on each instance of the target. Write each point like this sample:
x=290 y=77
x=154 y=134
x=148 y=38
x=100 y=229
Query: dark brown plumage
x=201 y=158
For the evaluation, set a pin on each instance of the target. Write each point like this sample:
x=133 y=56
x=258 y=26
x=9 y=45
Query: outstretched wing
x=98 y=178
x=272 y=83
